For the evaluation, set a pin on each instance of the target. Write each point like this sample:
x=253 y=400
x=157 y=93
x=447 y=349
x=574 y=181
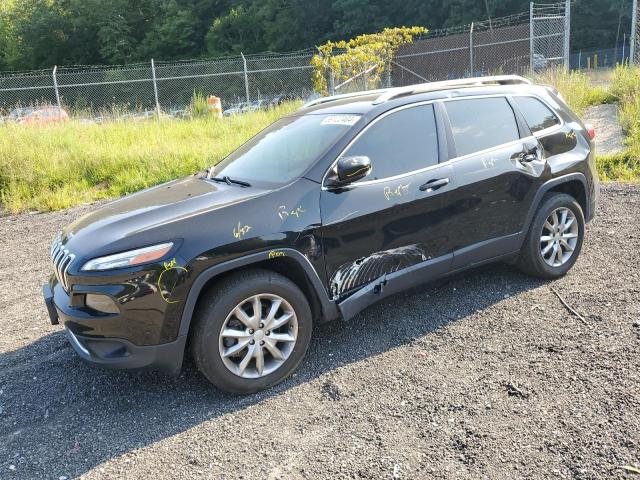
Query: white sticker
x=340 y=120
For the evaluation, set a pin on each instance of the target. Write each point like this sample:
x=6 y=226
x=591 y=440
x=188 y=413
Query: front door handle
x=434 y=184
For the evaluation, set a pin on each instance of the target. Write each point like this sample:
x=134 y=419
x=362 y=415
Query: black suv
x=353 y=198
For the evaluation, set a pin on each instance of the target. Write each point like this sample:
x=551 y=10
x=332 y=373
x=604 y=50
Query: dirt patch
x=487 y=375
x=609 y=134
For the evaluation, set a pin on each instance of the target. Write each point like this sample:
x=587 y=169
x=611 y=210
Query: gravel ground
x=609 y=134
x=486 y=375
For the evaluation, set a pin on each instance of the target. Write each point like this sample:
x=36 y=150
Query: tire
x=218 y=308
x=531 y=259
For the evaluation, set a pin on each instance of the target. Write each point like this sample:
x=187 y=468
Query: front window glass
x=284 y=150
x=399 y=143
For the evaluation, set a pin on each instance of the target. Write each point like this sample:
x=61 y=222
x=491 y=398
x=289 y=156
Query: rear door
x=397 y=216
x=498 y=168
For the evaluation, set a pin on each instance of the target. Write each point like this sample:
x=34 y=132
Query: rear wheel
x=251 y=331
x=555 y=237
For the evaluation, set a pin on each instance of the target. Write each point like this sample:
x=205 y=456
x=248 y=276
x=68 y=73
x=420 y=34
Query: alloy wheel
x=559 y=237
x=258 y=336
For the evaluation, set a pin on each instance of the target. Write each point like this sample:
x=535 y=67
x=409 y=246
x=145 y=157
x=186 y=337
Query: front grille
x=62 y=260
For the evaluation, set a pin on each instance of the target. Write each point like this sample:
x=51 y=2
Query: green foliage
x=199 y=106
x=366 y=53
x=240 y=30
x=42 y=33
x=619 y=167
x=61 y=165
x=579 y=93
x=626 y=87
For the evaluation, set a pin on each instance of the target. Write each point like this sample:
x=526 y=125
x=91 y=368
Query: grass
x=625 y=86
x=580 y=91
x=576 y=87
x=57 y=166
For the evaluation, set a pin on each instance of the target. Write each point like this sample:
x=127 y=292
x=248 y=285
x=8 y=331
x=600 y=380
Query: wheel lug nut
x=251 y=331
x=261 y=325
x=261 y=342
x=268 y=332
x=252 y=342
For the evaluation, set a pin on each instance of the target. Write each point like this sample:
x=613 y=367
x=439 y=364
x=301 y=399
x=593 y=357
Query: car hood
x=151 y=215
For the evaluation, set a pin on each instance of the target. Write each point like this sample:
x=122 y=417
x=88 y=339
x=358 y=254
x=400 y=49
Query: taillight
x=591 y=131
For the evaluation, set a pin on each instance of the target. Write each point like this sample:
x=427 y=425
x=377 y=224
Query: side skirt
x=494 y=250
x=393 y=283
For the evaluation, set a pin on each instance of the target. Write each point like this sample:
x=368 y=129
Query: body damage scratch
x=365 y=270
x=168 y=279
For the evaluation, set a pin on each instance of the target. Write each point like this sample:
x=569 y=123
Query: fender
x=329 y=308
x=544 y=188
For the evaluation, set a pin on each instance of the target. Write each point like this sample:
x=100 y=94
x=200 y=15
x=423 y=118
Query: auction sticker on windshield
x=340 y=120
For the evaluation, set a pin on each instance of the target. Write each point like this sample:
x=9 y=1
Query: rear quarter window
x=481 y=123
x=537 y=115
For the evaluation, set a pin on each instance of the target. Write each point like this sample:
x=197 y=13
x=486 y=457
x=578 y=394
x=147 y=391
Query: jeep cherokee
x=351 y=199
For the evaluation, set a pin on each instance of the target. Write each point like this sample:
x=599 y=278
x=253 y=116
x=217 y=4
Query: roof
x=363 y=102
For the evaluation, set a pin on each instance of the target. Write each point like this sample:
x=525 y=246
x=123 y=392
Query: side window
x=536 y=113
x=399 y=143
x=481 y=123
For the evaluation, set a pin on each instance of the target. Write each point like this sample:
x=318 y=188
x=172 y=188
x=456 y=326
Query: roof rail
x=392 y=93
x=387 y=94
x=321 y=100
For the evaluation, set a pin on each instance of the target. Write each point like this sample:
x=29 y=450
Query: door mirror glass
x=350 y=169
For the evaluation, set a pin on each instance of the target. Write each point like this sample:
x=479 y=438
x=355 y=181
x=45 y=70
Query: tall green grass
x=575 y=87
x=625 y=86
x=579 y=92
x=60 y=165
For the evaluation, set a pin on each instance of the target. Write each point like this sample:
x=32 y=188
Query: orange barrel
x=215 y=104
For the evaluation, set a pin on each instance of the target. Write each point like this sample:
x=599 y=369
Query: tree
x=239 y=31
x=363 y=55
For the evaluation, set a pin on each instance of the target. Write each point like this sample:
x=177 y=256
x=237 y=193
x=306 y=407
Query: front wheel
x=555 y=237
x=251 y=331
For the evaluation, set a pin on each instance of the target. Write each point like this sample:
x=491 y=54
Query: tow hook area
x=48 y=300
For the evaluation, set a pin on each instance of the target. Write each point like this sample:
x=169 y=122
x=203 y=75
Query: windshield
x=285 y=149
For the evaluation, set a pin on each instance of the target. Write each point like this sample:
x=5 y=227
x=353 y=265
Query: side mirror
x=350 y=169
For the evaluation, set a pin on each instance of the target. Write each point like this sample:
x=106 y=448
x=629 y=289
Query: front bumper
x=117 y=353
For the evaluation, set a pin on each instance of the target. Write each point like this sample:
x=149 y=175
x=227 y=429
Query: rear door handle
x=434 y=184
x=528 y=157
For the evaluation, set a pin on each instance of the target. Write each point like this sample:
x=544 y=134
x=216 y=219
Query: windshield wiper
x=230 y=181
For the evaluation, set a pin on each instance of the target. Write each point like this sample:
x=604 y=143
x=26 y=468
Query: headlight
x=128 y=259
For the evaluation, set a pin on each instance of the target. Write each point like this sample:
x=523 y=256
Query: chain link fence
x=516 y=44
x=519 y=43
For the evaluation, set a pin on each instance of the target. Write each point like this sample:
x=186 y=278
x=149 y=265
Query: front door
x=397 y=216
